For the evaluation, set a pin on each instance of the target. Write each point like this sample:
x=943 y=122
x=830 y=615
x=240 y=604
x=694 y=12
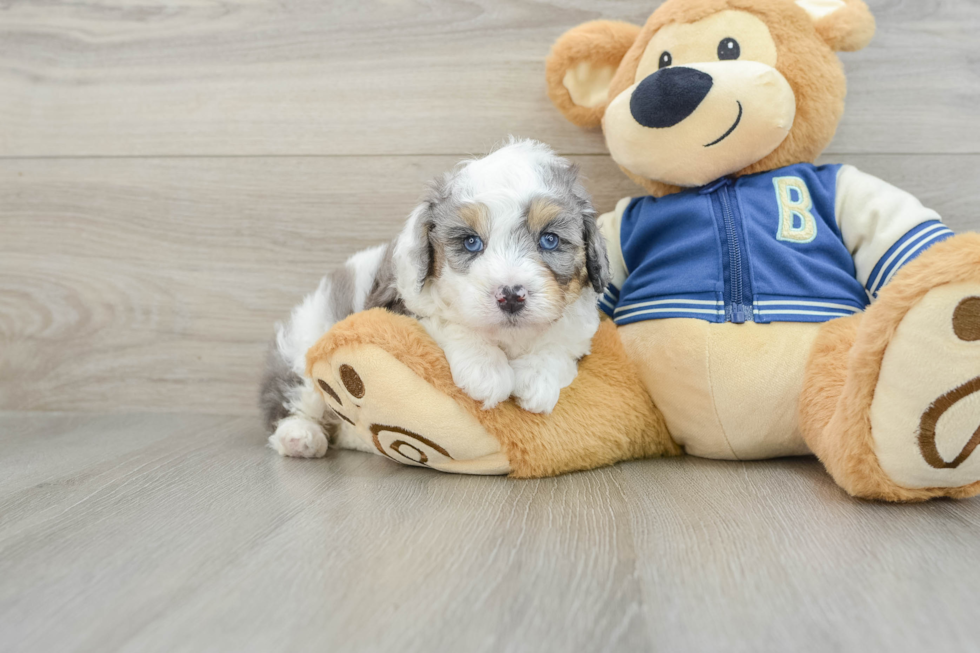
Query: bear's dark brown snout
x=668 y=96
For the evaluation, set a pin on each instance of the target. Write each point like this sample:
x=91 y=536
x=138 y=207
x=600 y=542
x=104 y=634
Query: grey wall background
x=174 y=177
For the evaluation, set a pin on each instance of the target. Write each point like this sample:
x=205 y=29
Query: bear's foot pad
x=400 y=416
x=925 y=416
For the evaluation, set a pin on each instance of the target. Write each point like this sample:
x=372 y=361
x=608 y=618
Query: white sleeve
x=609 y=225
x=883 y=227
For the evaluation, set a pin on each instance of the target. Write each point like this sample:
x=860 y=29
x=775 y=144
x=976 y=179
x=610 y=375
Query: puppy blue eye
x=549 y=241
x=473 y=244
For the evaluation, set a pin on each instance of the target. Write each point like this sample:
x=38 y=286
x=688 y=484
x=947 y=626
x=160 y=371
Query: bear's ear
x=843 y=24
x=581 y=66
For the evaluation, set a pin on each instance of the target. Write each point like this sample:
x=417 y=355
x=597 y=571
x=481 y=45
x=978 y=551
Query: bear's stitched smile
x=730 y=129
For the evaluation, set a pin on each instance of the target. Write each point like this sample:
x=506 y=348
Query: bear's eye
x=728 y=49
x=665 y=60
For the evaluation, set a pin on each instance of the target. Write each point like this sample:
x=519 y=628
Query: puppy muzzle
x=511 y=299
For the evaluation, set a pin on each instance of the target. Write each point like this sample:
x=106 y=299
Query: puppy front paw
x=489 y=381
x=536 y=389
x=299 y=437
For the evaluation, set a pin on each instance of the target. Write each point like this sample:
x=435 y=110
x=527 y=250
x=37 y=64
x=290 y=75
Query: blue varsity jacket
x=765 y=248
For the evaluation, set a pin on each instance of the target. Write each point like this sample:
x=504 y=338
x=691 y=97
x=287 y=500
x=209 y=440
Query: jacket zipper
x=734 y=259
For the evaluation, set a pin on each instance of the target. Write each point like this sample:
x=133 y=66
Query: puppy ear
x=414 y=255
x=581 y=66
x=567 y=178
x=596 y=260
x=844 y=25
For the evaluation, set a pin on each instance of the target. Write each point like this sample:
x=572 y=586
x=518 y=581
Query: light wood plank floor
x=175 y=176
x=181 y=533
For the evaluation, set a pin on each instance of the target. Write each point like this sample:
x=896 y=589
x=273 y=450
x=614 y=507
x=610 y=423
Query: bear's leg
x=388 y=381
x=891 y=398
x=386 y=407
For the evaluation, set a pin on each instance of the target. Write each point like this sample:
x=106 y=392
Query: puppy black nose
x=668 y=96
x=510 y=299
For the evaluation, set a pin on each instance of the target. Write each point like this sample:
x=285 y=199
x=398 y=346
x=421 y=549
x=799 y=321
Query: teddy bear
x=761 y=305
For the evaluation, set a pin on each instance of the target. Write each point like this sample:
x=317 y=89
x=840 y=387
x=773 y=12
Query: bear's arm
x=883 y=227
x=610 y=225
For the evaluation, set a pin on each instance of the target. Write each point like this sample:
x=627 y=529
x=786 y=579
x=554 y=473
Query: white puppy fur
x=501 y=263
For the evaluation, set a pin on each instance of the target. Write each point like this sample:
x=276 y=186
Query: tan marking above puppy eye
x=540 y=214
x=476 y=216
x=692 y=43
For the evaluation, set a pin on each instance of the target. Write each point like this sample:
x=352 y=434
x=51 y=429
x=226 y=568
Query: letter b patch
x=796 y=223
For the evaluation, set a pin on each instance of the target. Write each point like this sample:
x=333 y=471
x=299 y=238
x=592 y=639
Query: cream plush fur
x=710 y=392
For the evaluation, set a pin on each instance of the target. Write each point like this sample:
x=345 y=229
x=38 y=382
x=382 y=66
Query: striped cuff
x=706 y=306
x=608 y=300
x=789 y=309
x=913 y=243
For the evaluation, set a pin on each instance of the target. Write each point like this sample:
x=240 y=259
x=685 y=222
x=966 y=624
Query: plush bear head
x=710 y=88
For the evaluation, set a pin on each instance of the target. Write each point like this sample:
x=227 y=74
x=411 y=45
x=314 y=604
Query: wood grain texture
x=153 y=284
x=259 y=77
x=177 y=533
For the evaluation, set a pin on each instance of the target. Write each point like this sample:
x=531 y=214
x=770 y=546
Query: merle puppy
x=502 y=263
